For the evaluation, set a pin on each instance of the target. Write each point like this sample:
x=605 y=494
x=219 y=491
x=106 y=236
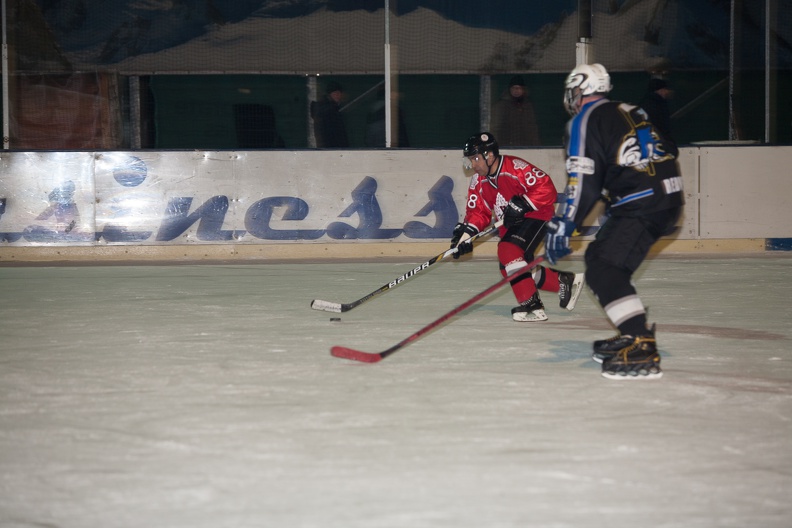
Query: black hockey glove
x=461 y=239
x=515 y=210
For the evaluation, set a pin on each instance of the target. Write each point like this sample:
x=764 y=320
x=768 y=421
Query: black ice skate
x=571 y=285
x=530 y=311
x=639 y=360
x=607 y=348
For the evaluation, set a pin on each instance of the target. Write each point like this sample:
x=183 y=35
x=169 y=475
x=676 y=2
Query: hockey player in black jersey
x=613 y=152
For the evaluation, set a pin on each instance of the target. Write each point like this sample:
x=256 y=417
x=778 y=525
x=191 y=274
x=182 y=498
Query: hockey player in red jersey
x=614 y=152
x=524 y=197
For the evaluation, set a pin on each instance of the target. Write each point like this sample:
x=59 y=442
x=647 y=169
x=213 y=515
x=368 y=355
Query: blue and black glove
x=515 y=210
x=461 y=239
x=557 y=239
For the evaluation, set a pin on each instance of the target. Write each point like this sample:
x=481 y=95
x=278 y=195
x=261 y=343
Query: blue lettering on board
x=211 y=215
x=63 y=217
x=441 y=203
x=7 y=237
x=258 y=216
x=59 y=222
x=115 y=233
x=365 y=204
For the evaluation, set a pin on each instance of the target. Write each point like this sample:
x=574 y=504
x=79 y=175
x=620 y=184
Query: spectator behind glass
x=515 y=120
x=375 y=124
x=329 y=127
x=655 y=102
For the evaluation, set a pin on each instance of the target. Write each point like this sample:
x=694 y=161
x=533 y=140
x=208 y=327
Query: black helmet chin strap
x=490 y=176
x=489 y=167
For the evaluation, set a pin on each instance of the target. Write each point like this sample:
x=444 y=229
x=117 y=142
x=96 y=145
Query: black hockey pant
x=619 y=248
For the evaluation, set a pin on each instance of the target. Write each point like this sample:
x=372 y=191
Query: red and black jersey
x=489 y=195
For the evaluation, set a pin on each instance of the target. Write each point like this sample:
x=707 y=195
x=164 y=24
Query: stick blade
x=326 y=306
x=355 y=355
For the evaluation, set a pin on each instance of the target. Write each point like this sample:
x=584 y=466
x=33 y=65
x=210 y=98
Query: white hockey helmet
x=585 y=79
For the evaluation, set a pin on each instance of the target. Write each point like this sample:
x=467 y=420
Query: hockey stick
x=370 y=357
x=328 y=306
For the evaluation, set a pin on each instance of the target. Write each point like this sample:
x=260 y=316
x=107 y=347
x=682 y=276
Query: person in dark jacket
x=655 y=103
x=515 y=119
x=375 y=124
x=329 y=127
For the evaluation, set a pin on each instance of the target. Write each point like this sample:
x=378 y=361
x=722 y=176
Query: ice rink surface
x=205 y=396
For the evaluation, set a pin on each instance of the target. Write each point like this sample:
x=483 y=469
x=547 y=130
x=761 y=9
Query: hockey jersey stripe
x=577 y=148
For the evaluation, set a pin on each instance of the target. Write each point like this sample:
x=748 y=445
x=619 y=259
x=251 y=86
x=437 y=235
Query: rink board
x=144 y=200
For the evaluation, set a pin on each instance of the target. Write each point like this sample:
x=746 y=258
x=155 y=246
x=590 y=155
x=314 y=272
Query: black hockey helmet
x=480 y=144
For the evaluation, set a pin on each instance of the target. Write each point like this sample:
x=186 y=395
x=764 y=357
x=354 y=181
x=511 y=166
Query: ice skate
x=638 y=360
x=607 y=348
x=571 y=285
x=530 y=311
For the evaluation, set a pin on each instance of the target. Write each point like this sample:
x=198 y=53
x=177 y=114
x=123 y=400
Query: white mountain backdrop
x=347 y=36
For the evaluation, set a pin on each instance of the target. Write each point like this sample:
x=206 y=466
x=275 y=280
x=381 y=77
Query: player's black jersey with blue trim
x=613 y=151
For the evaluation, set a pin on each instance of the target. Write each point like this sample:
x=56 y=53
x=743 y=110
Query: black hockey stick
x=371 y=357
x=328 y=306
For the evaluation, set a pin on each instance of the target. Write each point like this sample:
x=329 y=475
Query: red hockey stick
x=371 y=357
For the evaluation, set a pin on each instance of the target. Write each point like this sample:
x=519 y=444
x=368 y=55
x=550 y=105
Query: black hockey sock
x=635 y=326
